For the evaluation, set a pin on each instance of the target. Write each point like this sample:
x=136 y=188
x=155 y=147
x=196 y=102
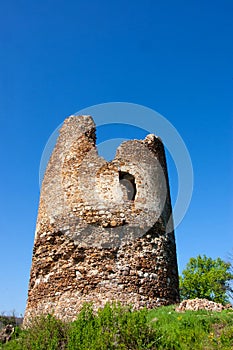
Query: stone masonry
x=104 y=229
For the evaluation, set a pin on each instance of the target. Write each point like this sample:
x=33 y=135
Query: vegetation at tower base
x=104 y=229
x=208 y=278
x=117 y=327
x=230 y=293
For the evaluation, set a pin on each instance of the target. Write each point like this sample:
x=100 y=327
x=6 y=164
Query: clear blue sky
x=57 y=57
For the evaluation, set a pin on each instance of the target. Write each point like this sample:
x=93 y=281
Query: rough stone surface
x=201 y=304
x=104 y=229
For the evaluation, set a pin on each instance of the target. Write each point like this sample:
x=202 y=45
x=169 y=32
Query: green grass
x=117 y=327
x=192 y=329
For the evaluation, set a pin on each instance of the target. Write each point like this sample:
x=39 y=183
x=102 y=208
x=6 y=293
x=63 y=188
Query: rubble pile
x=201 y=304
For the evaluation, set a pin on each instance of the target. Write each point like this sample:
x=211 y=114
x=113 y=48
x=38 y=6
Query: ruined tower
x=104 y=229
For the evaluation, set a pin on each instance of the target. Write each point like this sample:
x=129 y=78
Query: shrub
x=45 y=333
x=113 y=327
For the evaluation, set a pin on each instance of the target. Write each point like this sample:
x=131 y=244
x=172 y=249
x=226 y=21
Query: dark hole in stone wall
x=128 y=181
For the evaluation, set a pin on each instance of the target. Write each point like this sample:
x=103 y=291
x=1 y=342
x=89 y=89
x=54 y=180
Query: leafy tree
x=230 y=293
x=207 y=278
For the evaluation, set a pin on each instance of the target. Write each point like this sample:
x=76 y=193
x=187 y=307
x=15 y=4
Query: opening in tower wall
x=128 y=181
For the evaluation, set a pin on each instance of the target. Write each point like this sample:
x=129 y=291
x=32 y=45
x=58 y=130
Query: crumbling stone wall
x=102 y=231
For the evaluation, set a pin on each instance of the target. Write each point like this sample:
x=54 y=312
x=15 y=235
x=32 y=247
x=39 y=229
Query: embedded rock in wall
x=104 y=229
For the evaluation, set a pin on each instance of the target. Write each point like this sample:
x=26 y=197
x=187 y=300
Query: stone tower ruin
x=104 y=229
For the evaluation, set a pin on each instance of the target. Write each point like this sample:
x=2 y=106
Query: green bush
x=45 y=333
x=113 y=327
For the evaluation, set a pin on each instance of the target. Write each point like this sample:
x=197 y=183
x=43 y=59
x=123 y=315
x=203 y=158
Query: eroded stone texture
x=102 y=231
